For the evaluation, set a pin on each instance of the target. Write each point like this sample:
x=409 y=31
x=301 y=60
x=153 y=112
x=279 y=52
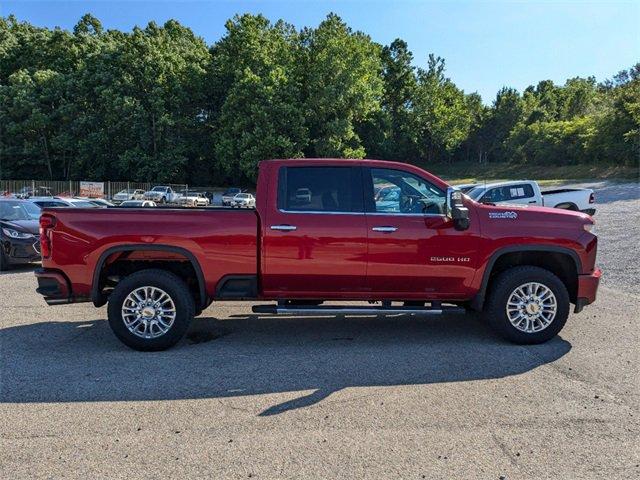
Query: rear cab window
x=320 y=189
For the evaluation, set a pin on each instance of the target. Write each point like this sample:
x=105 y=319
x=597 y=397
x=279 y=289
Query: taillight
x=47 y=222
x=592 y=198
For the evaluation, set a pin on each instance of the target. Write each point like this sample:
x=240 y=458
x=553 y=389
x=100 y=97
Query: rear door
x=314 y=233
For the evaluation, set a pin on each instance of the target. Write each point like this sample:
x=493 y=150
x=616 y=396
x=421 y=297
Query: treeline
x=159 y=104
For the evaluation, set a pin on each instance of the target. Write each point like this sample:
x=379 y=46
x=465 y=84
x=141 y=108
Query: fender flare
x=572 y=206
x=97 y=299
x=478 y=300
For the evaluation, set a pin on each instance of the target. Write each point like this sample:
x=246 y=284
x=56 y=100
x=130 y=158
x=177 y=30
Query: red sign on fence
x=92 y=189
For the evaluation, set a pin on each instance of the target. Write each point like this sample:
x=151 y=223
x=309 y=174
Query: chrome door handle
x=283 y=228
x=384 y=229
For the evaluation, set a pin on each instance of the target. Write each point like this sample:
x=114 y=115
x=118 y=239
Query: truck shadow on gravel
x=249 y=355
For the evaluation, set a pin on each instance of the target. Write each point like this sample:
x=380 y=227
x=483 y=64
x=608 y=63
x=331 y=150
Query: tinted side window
x=396 y=191
x=47 y=204
x=511 y=192
x=320 y=189
x=521 y=191
x=499 y=194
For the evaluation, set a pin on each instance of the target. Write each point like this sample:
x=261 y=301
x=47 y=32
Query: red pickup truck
x=390 y=235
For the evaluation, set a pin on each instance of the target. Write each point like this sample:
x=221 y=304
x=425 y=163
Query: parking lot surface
x=245 y=396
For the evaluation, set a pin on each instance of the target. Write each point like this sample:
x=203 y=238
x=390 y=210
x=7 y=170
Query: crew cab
x=425 y=250
x=527 y=192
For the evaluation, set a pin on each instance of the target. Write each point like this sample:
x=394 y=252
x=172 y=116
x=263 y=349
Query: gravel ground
x=402 y=397
x=618 y=228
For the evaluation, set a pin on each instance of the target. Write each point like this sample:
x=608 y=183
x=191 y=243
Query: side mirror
x=456 y=210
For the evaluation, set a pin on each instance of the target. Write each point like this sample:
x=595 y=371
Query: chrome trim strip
x=315 y=212
x=396 y=214
x=356 y=311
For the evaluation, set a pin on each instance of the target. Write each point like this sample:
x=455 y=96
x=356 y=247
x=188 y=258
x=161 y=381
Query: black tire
x=177 y=291
x=500 y=291
x=4 y=265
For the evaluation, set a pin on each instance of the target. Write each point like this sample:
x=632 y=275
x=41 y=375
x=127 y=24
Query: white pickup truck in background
x=161 y=194
x=528 y=192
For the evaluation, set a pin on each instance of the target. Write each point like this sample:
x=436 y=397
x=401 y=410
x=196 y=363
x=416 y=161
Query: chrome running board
x=349 y=310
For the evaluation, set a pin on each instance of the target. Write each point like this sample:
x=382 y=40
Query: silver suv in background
x=128 y=194
x=244 y=200
x=229 y=194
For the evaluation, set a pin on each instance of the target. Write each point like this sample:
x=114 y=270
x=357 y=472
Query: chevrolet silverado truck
x=429 y=251
x=528 y=192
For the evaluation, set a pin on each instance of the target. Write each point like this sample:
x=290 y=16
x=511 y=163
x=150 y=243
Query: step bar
x=352 y=310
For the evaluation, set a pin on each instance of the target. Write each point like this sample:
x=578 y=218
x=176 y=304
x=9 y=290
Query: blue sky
x=486 y=45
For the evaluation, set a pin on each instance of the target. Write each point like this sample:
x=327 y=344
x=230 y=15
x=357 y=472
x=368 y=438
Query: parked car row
x=19 y=242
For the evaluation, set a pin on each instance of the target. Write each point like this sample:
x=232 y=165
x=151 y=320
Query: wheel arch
x=563 y=262
x=99 y=299
x=567 y=206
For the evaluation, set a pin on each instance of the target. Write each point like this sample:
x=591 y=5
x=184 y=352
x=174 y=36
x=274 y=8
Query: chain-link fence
x=107 y=190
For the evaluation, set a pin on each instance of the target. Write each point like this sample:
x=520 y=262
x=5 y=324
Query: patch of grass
x=458 y=173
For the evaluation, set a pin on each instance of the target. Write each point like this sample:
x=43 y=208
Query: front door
x=413 y=250
x=315 y=237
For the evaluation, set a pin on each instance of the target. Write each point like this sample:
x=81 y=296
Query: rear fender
x=98 y=299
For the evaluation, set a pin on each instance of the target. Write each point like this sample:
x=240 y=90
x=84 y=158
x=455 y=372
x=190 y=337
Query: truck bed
x=222 y=240
x=561 y=190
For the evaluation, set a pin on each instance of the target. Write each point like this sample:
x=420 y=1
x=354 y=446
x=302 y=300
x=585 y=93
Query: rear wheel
x=150 y=310
x=527 y=305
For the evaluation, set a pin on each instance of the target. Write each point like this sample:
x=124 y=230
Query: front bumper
x=53 y=286
x=587 y=289
x=18 y=251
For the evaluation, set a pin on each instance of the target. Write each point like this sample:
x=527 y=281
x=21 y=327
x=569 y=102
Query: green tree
x=441 y=113
x=617 y=138
x=398 y=102
x=255 y=96
x=341 y=74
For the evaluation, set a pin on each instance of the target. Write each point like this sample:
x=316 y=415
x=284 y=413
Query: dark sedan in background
x=19 y=226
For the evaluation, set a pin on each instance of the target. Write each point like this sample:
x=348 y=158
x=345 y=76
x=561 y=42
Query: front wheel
x=527 y=305
x=150 y=310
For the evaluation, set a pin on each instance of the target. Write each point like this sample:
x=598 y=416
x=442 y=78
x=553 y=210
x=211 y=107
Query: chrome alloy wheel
x=148 y=312
x=531 y=307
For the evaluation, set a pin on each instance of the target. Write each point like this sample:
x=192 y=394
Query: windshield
x=19 y=211
x=159 y=189
x=476 y=193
